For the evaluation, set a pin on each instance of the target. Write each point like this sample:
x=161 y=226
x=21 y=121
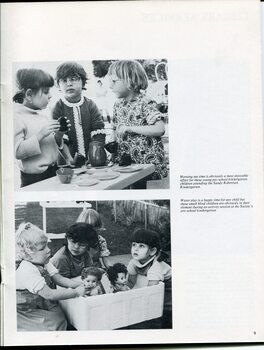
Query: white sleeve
x=155 y=273
x=158 y=271
x=28 y=277
x=52 y=270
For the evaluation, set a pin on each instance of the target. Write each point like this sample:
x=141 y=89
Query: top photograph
x=91 y=125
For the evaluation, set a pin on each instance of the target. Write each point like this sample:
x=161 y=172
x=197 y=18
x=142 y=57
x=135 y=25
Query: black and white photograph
x=91 y=125
x=132 y=173
x=96 y=265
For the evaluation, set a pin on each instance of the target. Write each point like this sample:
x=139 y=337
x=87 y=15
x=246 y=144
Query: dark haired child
x=148 y=260
x=37 y=138
x=86 y=121
x=117 y=275
x=98 y=248
x=74 y=256
x=91 y=277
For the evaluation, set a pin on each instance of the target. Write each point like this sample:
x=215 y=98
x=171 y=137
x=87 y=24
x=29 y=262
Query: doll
x=117 y=275
x=91 y=276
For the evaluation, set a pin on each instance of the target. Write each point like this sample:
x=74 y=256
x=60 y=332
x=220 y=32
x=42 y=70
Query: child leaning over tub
x=36 y=279
x=147 y=260
x=91 y=277
x=138 y=122
x=36 y=137
x=74 y=255
x=86 y=120
x=117 y=275
x=98 y=246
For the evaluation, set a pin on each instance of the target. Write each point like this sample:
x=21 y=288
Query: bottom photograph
x=91 y=265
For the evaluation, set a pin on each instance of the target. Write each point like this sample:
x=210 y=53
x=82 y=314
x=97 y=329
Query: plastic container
x=115 y=310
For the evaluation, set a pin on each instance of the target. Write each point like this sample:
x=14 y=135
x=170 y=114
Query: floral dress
x=142 y=149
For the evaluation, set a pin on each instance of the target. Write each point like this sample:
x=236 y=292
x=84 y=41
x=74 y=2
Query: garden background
x=120 y=219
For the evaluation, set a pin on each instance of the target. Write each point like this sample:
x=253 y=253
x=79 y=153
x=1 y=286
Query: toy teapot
x=96 y=154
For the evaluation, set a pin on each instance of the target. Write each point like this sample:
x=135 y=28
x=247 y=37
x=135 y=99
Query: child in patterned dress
x=137 y=121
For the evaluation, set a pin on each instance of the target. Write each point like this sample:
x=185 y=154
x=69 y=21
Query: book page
x=211 y=208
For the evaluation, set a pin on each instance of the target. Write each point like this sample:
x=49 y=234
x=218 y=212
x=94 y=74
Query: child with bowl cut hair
x=86 y=121
x=148 y=260
x=74 y=255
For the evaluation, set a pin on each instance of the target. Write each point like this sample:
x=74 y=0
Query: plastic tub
x=115 y=310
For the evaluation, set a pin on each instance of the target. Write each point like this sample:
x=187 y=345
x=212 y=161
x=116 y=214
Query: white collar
x=139 y=264
x=74 y=104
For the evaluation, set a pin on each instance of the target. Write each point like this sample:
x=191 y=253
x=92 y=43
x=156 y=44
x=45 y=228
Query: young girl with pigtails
x=36 y=280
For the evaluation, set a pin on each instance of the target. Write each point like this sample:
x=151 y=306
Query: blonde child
x=98 y=246
x=148 y=260
x=91 y=277
x=86 y=121
x=36 y=279
x=37 y=138
x=137 y=121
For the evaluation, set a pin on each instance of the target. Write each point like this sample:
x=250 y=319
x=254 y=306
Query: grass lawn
x=116 y=234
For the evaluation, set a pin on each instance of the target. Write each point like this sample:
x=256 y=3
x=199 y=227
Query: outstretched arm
x=158 y=129
x=61 y=294
x=65 y=282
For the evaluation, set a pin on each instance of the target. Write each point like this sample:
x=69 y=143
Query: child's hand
x=52 y=127
x=153 y=118
x=80 y=291
x=121 y=130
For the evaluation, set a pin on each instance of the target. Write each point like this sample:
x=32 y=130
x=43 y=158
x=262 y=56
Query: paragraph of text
x=212 y=205
x=197 y=181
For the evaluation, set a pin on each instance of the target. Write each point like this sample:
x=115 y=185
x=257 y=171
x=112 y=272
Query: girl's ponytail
x=19 y=96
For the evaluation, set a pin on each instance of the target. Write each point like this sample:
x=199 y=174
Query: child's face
x=41 y=255
x=90 y=281
x=119 y=87
x=71 y=87
x=41 y=99
x=121 y=278
x=77 y=248
x=142 y=252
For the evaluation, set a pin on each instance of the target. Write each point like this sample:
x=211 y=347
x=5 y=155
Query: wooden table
x=124 y=180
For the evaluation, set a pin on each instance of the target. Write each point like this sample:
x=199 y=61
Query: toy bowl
x=65 y=175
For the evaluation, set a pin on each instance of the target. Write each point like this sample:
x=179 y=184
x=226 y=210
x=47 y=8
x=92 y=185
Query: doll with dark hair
x=117 y=275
